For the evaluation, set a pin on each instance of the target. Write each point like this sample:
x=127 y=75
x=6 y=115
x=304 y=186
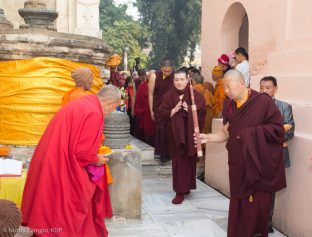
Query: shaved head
x=109 y=97
x=235 y=76
x=110 y=92
x=234 y=84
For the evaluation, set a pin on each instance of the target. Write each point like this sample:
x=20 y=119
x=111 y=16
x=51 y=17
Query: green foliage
x=127 y=33
x=109 y=13
x=175 y=27
x=120 y=30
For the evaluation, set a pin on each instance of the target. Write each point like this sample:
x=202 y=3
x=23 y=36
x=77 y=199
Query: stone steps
x=152 y=167
x=149 y=164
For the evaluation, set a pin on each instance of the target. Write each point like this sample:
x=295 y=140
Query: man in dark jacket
x=269 y=85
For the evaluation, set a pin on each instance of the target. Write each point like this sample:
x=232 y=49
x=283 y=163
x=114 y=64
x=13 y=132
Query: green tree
x=109 y=13
x=128 y=33
x=120 y=30
x=175 y=27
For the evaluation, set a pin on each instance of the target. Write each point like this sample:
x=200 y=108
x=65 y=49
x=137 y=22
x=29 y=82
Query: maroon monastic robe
x=117 y=79
x=59 y=197
x=162 y=86
x=256 y=168
x=180 y=130
x=143 y=114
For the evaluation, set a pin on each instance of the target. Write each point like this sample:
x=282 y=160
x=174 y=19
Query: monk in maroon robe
x=60 y=198
x=160 y=83
x=116 y=78
x=143 y=114
x=175 y=110
x=253 y=129
x=138 y=127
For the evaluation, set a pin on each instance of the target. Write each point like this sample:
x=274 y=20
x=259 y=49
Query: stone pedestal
x=36 y=15
x=126 y=189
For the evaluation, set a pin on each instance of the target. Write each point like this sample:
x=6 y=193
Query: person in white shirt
x=241 y=58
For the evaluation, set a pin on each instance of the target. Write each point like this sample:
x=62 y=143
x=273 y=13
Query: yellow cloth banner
x=11 y=188
x=31 y=92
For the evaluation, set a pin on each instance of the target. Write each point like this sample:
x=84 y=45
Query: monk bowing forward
x=61 y=197
x=175 y=110
x=253 y=129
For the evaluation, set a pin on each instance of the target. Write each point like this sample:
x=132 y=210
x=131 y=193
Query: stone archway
x=235 y=28
x=244 y=33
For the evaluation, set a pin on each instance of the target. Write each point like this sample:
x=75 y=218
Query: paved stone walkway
x=202 y=214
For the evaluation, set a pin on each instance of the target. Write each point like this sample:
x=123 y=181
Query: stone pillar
x=125 y=61
x=125 y=165
x=4 y=23
x=126 y=189
x=117 y=130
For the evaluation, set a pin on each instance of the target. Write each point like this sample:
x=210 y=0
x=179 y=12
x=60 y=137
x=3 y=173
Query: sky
x=132 y=11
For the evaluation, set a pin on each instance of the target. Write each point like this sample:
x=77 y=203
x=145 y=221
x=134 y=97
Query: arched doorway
x=244 y=33
x=235 y=28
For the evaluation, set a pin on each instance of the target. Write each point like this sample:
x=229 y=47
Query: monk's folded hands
x=185 y=106
x=176 y=108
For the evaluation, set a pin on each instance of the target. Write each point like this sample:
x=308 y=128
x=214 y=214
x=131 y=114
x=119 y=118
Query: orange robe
x=201 y=89
x=74 y=94
x=209 y=87
x=219 y=97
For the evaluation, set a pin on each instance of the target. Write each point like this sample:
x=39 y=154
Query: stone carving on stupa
x=36 y=15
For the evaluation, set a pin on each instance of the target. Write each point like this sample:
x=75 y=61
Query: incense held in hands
x=195 y=122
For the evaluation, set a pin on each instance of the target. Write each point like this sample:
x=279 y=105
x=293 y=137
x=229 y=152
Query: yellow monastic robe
x=73 y=94
x=219 y=97
x=209 y=104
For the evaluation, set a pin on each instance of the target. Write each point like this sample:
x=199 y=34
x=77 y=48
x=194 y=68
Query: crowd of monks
x=67 y=180
x=145 y=91
x=253 y=129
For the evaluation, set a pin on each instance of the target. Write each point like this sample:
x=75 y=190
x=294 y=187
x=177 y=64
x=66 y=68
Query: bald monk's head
x=109 y=97
x=83 y=77
x=234 y=84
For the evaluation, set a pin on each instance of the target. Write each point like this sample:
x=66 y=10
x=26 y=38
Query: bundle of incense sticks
x=195 y=122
